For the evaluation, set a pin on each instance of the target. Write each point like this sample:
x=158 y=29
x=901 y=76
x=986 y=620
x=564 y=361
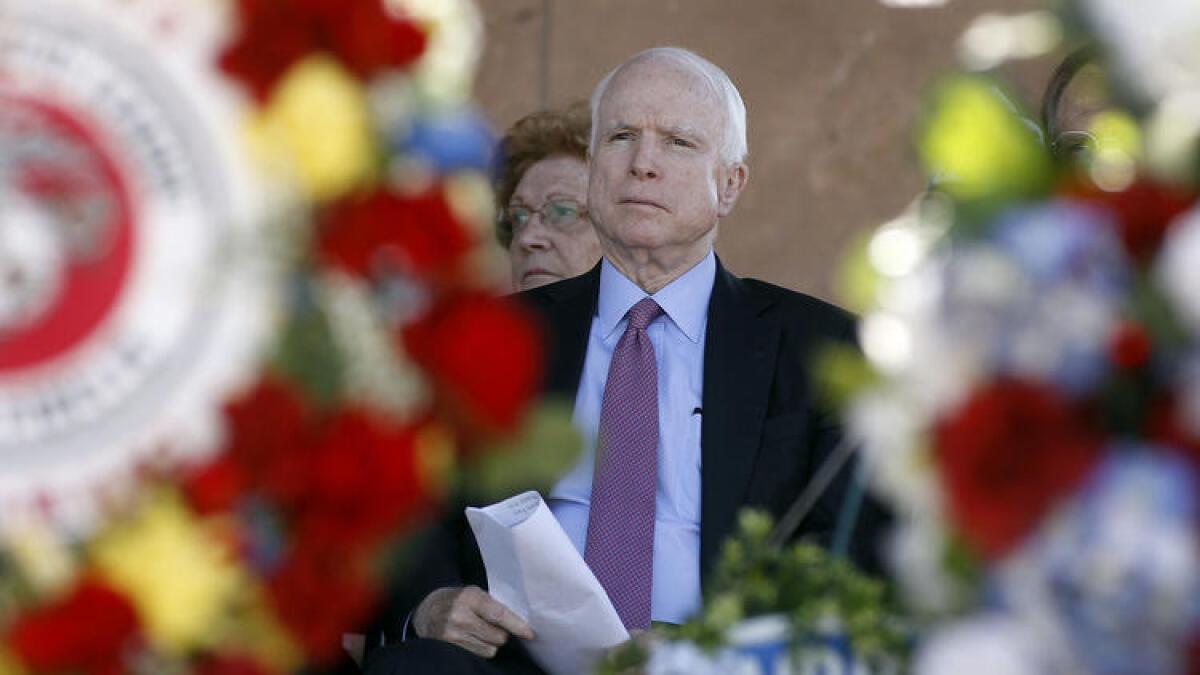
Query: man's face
x=657 y=182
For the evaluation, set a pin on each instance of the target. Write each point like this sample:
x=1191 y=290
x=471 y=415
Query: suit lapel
x=739 y=359
x=569 y=312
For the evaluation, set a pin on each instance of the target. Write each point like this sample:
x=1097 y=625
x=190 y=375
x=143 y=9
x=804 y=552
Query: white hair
x=733 y=142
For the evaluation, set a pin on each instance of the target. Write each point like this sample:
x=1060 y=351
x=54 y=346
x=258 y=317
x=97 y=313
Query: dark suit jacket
x=764 y=430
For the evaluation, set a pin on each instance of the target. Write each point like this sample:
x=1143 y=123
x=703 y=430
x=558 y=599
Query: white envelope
x=534 y=570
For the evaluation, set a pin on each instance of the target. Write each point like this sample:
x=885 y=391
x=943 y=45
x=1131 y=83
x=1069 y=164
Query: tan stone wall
x=832 y=88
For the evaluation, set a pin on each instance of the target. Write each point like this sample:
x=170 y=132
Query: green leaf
x=1149 y=307
x=960 y=561
x=545 y=448
x=978 y=148
x=804 y=581
x=857 y=279
x=308 y=356
x=842 y=373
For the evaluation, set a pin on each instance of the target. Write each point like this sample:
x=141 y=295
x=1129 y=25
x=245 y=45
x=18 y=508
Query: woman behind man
x=541 y=195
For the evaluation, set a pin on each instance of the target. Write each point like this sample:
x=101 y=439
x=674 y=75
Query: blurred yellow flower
x=178 y=573
x=255 y=630
x=470 y=197
x=10 y=665
x=977 y=146
x=1118 y=148
x=435 y=458
x=317 y=124
x=41 y=556
x=857 y=280
x=1117 y=131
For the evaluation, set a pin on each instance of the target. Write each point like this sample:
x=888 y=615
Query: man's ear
x=732 y=184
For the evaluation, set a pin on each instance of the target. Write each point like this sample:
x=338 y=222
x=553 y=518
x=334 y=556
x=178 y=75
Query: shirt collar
x=684 y=300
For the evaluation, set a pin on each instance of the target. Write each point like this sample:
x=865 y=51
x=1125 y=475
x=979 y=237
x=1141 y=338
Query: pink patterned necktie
x=620 y=535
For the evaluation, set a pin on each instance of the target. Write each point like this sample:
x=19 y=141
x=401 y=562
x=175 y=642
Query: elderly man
x=694 y=384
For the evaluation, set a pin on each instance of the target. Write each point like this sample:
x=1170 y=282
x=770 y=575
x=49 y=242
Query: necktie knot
x=641 y=314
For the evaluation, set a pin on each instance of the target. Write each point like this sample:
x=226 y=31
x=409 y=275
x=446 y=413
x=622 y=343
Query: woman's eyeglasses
x=556 y=212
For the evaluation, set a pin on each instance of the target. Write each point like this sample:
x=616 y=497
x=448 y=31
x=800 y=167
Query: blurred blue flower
x=1119 y=569
x=1065 y=242
x=449 y=141
x=1040 y=299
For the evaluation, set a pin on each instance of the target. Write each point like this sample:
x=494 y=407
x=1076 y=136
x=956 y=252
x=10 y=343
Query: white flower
x=983 y=645
x=1177 y=270
x=1155 y=43
x=887 y=427
x=916 y=551
x=376 y=373
x=936 y=368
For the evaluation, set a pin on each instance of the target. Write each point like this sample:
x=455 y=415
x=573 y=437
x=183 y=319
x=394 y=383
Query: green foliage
x=1123 y=403
x=964 y=567
x=817 y=592
x=1149 y=307
x=842 y=373
x=803 y=581
x=307 y=354
x=858 y=281
x=974 y=143
x=16 y=591
x=545 y=448
x=625 y=659
x=1125 y=399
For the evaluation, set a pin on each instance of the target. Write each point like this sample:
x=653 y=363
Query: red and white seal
x=133 y=290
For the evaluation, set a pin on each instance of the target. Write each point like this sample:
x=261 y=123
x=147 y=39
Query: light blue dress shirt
x=678 y=339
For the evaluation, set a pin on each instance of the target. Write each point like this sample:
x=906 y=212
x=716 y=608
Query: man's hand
x=469 y=618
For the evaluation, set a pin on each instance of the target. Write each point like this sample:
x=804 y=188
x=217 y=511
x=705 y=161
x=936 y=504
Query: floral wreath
x=1028 y=401
x=393 y=362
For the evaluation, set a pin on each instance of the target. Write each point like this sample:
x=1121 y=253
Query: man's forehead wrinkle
x=682 y=130
x=657 y=122
x=668 y=110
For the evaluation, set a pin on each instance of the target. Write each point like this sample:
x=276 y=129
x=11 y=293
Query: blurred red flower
x=484 y=355
x=419 y=235
x=368 y=38
x=1005 y=458
x=275 y=34
x=319 y=593
x=363 y=482
x=230 y=665
x=341 y=484
x=1130 y=345
x=215 y=486
x=1165 y=426
x=90 y=630
x=269 y=41
x=267 y=433
x=1144 y=213
x=352 y=477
